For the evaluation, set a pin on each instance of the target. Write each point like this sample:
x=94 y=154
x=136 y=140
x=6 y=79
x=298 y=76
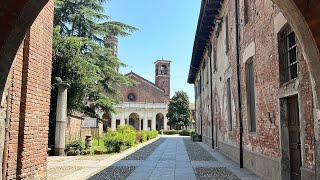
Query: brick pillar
x=30 y=101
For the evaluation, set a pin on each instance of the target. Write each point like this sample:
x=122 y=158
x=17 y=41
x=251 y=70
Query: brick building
x=275 y=89
x=145 y=105
x=26 y=101
x=25 y=55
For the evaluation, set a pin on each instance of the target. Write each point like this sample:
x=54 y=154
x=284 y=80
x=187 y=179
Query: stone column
x=165 y=126
x=113 y=122
x=153 y=122
x=122 y=120
x=139 y=124
x=145 y=121
x=61 y=119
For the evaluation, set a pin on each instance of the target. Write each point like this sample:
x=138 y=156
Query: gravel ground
x=58 y=172
x=114 y=172
x=196 y=152
x=205 y=173
x=145 y=152
x=94 y=157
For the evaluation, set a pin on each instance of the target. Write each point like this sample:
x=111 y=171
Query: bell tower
x=162 y=75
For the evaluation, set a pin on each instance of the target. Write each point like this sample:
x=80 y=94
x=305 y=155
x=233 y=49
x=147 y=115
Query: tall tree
x=81 y=57
x=178 y=111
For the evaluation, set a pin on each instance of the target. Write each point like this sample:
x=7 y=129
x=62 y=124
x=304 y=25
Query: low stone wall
x=75 y=131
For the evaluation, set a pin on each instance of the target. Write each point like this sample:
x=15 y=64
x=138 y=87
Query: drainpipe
x=238 y=80
x=6 y=139
x=211 y=92
x=201 y=108
x=195 y=109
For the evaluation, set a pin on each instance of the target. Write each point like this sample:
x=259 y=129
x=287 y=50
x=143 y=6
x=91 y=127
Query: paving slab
x=169 y=158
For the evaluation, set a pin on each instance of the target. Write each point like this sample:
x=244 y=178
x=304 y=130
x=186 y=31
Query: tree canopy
x=81 y=57
x=178 y=111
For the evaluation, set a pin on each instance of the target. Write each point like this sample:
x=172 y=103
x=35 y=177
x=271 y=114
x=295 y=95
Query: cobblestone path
x=168 y=158
x=176 y=158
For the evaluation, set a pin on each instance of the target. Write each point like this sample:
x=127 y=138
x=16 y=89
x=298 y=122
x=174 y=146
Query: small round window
x=131 y=97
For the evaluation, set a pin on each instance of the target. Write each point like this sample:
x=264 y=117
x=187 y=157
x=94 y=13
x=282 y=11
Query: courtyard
x=166 y=157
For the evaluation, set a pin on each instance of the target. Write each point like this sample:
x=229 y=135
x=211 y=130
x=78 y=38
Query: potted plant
x=195 y=136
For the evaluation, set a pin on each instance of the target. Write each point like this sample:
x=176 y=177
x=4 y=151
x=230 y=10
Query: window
x=288 y=65
x=131 y=97
x=229 y=103
x=163 y=70
x=251 y=104
x=227 y=33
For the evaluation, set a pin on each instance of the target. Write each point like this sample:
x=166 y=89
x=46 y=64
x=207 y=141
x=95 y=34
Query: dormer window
x=163 y=70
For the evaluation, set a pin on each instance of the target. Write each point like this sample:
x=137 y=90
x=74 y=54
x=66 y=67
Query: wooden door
x=294 y=138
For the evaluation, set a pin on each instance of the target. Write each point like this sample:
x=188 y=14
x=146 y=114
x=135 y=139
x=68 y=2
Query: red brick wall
x=143 y=92
x=260 y=29
x=75 y=131
x=30 y=96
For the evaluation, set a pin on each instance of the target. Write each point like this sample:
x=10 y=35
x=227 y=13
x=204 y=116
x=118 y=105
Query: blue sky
x=167 y=30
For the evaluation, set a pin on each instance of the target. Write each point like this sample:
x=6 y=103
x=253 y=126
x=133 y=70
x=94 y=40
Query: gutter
x=239 y=81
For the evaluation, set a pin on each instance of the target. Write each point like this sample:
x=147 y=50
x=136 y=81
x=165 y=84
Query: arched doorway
x=159 y=121
x=135 y=121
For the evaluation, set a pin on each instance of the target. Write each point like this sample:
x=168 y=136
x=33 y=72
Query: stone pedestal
x=61 y=119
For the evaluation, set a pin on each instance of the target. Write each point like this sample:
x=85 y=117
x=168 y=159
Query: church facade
x=145 y=105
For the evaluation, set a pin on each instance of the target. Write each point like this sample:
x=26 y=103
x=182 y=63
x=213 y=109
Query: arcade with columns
x=142 y=116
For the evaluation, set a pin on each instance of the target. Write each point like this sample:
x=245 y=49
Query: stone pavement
x=167 y=158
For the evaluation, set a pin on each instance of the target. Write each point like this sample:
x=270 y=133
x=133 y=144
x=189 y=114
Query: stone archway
x=15 y=20
x=159 y=121
x=134 y=120
x=304 y=18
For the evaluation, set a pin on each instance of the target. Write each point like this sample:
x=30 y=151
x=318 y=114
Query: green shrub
x=74 y=148
x=114 y=142
x=138 y=137
x=153 y=134
x=129 y=134
x=185 y=132
x=170 y=132
x=144 y=136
